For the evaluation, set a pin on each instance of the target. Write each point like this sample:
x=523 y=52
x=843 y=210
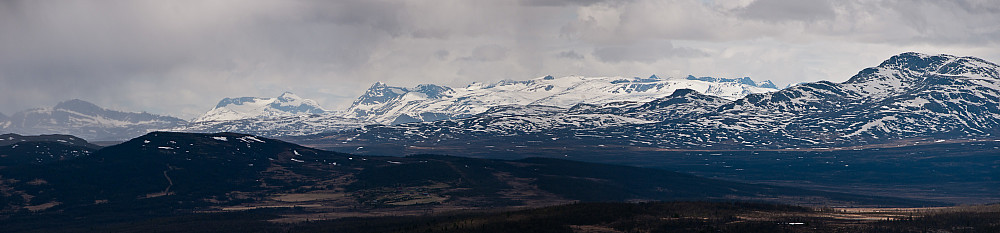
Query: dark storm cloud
x=102 y=50
x=180 y=57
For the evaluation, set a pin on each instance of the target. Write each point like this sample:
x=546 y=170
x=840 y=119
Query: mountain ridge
x=910 y=95
x=395 y=105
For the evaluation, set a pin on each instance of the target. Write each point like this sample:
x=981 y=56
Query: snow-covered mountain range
x=288 y=104
x=910 y=96
x=86 y=120
x=394 y=105
x=290 y=115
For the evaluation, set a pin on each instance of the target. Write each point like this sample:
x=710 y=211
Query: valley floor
x=952 y=171
x=577 y=217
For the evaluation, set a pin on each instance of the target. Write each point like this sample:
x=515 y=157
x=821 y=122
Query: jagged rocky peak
x=379 y=93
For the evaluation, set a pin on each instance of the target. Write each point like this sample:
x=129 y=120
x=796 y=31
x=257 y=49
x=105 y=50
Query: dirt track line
x=169 y=181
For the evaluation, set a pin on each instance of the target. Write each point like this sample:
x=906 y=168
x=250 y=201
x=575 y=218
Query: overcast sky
x=180 y=57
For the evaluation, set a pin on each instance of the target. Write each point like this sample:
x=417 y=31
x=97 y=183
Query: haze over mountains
x=86 y=120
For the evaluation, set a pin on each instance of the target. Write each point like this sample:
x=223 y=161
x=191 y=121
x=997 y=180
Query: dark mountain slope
x=212 y=172
x=18 y=150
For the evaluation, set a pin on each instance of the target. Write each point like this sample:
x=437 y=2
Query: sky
x=180 y=57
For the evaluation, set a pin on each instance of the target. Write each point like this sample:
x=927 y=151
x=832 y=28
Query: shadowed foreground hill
x=168 y=174
x=18 y=150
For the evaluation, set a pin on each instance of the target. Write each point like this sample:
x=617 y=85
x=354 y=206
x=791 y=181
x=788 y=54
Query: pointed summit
x=289 y=97
x=767 y=84
x=379 y=93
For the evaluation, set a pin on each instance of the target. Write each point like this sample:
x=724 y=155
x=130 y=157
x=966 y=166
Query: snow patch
x=249 y=139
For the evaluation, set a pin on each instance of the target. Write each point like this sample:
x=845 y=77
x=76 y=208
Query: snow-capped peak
x=767 y=84
x=287 y=104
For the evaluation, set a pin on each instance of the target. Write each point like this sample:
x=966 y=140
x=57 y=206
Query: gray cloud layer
x=179 y=57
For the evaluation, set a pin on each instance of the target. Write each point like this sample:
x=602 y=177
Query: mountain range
x=910 y=96
x=395 y=105
x=916 y=130
x=291 y=115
